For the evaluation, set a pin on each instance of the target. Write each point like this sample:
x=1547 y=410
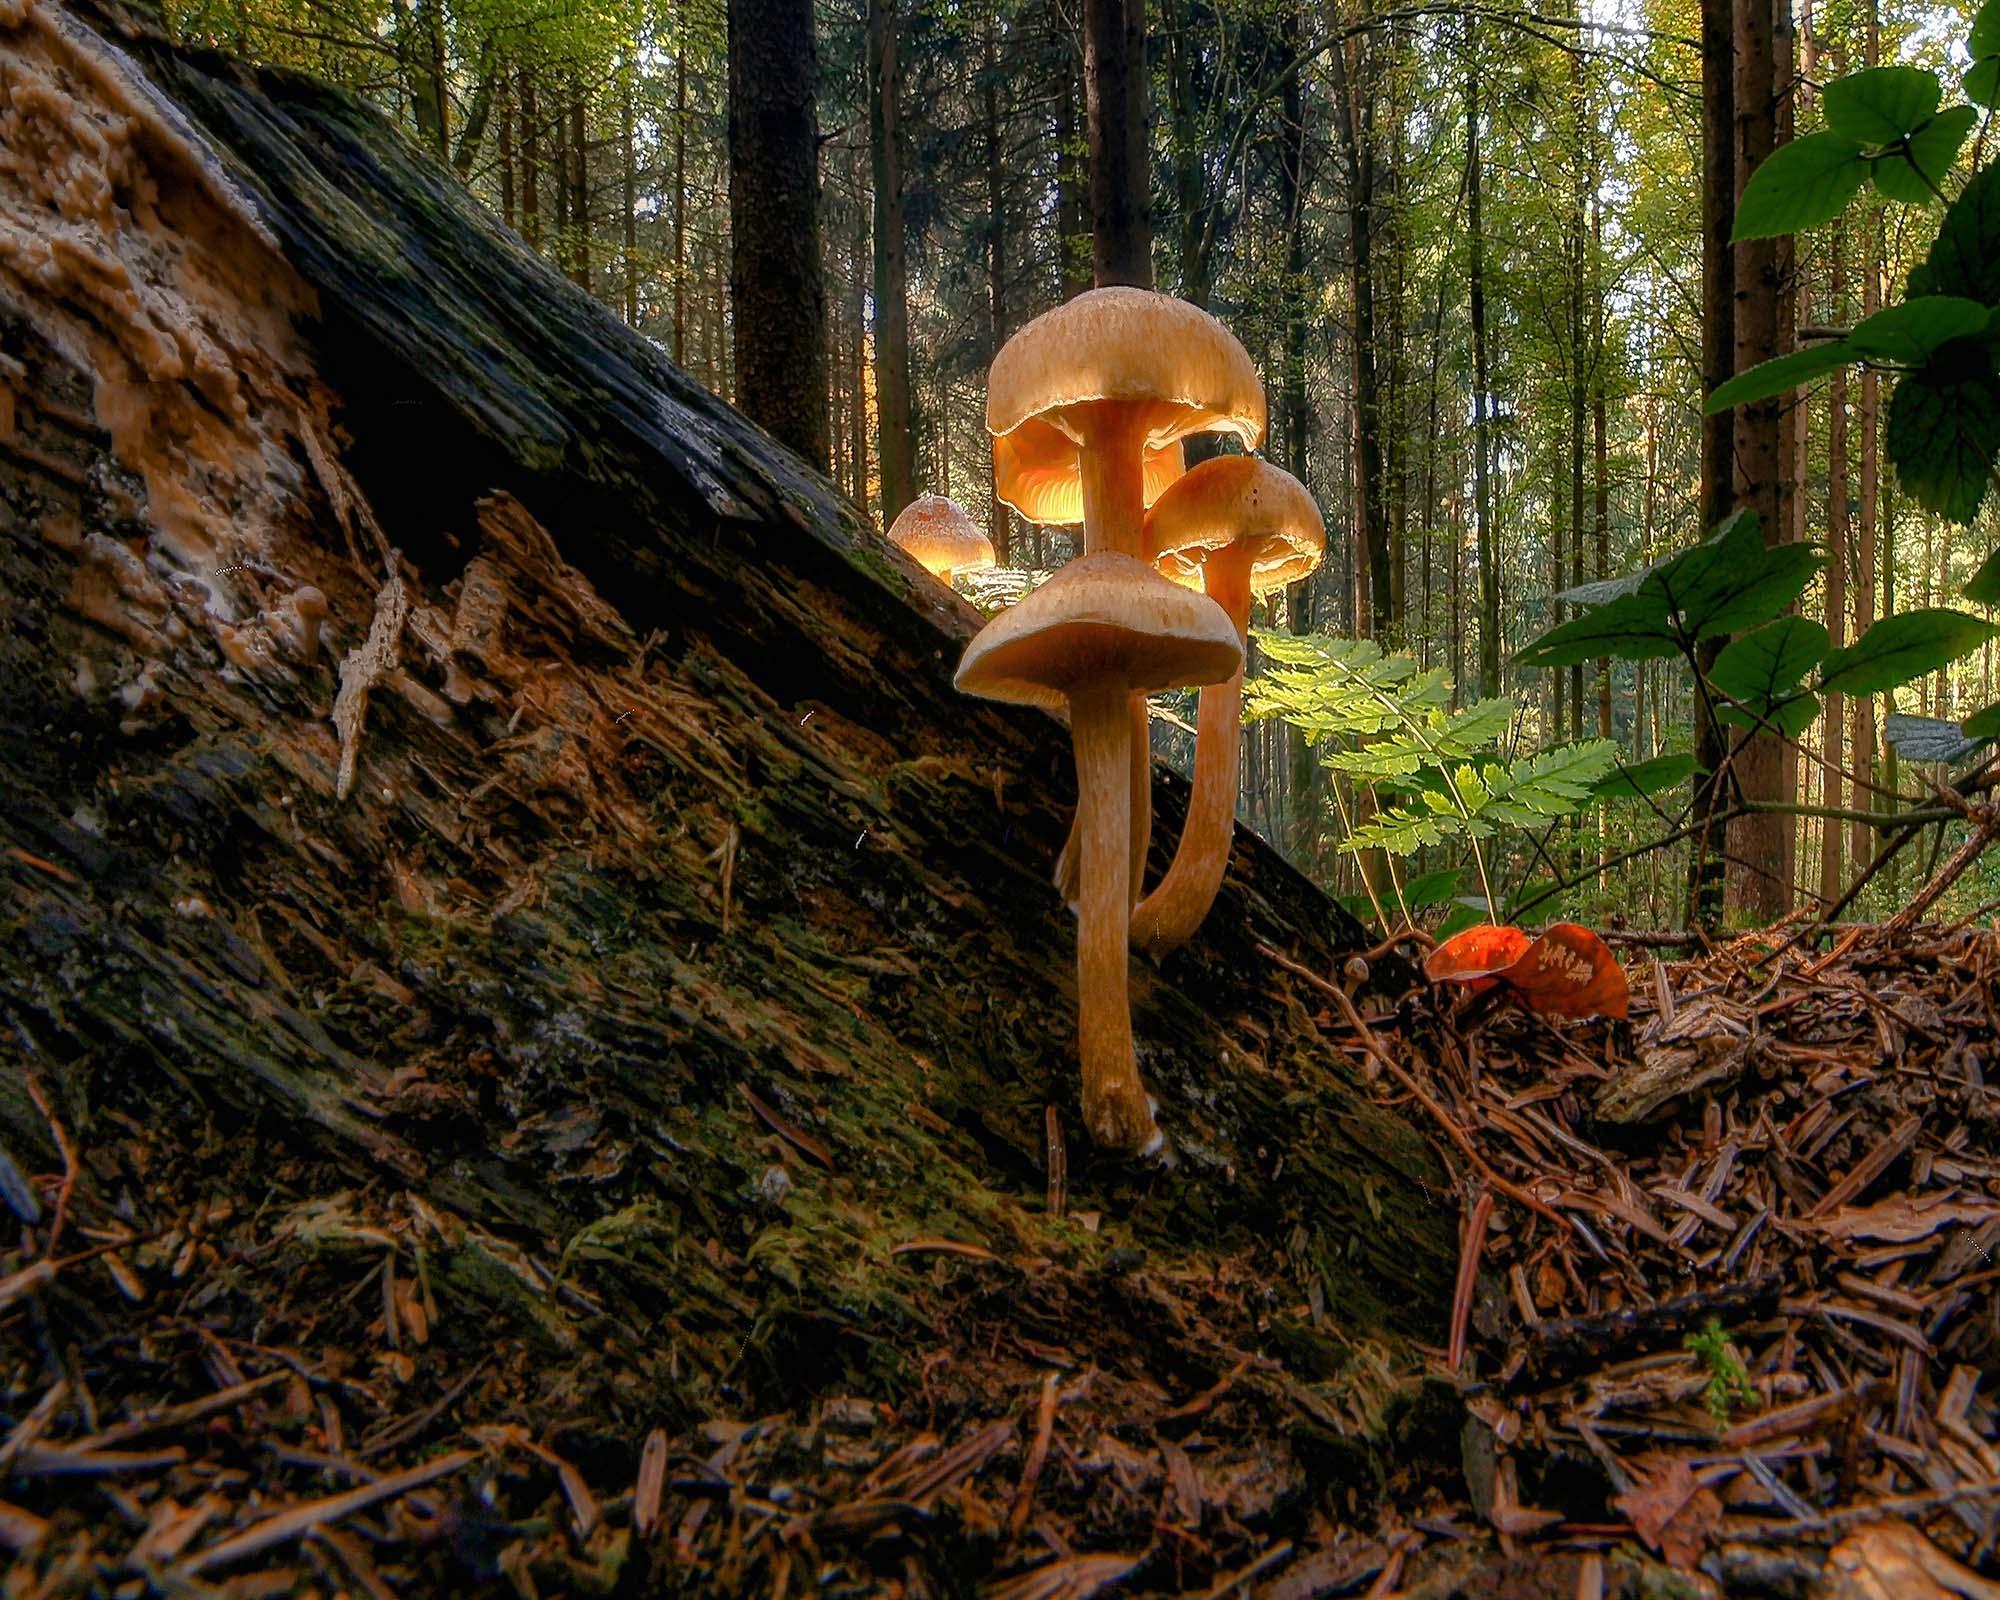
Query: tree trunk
x=1718 y=432
x=629 y=159
x=1354 y=123
x=531 y=145
x=507 y=211
x=680 y=187
x=1758 y=880
x=1862 y=757
x=1114 y=98
x=677 y=968
x=579 y=208
x=1000 y=523
x=776 y=288
x=895 y=444
x=1475 y=245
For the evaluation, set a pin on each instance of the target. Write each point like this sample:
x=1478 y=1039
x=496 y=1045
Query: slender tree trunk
x=531 y=144
x=860 y=259
x=1862 y=756
x=1354 y=121
x=507 y=208
x=1718 y=359
x=1489 y=569
x=580 y=181
x=680 y=188
x=895 y=442
x=1000 y=524
x=1601 y=453
x=1579 y=365
x=1073 y=247
x=1758 y=882
x=776 y=286
x=630 y=175
x=1295 y=405
x=1114 y=97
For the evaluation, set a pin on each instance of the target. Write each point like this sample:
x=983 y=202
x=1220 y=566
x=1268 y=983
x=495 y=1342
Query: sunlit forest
x=1464 y=244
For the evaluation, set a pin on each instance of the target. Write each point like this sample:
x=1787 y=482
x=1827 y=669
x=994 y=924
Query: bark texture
x=610 y=899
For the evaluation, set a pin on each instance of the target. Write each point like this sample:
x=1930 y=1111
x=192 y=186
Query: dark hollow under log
x=609 y=917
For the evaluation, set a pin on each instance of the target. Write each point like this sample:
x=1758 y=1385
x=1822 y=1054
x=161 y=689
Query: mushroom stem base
x=1116 y=1109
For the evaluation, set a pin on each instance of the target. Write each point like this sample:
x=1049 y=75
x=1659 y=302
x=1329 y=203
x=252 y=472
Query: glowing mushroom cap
x=940 y=537
x=1104 y=617
x=1036 y=471
x=1183 y=369
x=1237 y=500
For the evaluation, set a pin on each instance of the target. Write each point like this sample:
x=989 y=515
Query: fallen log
x=485 y=826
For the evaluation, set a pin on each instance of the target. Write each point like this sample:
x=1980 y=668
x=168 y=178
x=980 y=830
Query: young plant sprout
x=1104 y=628
x=1114 y=379
x=1237 y=528
x=940 y=537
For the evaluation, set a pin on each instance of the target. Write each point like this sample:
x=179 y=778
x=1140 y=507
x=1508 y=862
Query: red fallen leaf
x=1673 y=1512
x=1567 y=972
x=1570 y=972
x=1475 y=956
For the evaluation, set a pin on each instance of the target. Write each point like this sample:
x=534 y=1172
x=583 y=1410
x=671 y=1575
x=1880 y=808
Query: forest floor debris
x=1753 y=1355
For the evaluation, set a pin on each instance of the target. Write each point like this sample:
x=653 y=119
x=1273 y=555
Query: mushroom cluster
x=1088 y=405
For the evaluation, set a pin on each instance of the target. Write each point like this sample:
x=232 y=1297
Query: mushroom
x=1105 y=627
x=1238 y=527
x=1113 y=380
x=940 y=537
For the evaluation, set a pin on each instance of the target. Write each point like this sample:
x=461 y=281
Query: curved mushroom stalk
x=1167 y=918
x=1069 y=864
x=1116 y=1108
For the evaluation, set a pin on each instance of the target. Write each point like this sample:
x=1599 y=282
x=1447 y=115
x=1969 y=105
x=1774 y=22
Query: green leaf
x=1781 y=375
x=1915 y=170
x=1983 y=724
x=1984 y=39
x=1944 y=431
x=1982 y=83
x=1984 y=589
x=1801 y=184
x=1633 y=627
x=1911 y=333
x=1639 y=778
x=1727 y=582
x=1431 y=888
x=1550 y=783
x=1790 y=716
x=1965 y=257
x=1460 y=917
x=1767 y=666
x=1900 y=648
x=1879 y=105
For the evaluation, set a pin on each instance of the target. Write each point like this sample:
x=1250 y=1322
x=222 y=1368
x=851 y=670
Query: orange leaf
x=1475 y=956
x=1570 y=972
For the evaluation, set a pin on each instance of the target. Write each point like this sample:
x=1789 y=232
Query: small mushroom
x=1104 y=627
x=1239 y=528
x=940 y=537
x=1113 y=379
x=308 y=612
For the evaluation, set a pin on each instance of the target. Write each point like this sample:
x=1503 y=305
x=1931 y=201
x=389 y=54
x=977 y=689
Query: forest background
x=1472 y=248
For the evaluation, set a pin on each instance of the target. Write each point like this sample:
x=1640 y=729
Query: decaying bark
x=683 y=946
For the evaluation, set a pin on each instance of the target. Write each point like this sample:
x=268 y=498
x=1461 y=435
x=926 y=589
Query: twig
x=1468 y=1268
x=301 y=1520
x=1038 y=1453
x=1457 y=1135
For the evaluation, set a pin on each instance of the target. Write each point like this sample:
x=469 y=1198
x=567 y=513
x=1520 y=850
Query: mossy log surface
x=683 y=951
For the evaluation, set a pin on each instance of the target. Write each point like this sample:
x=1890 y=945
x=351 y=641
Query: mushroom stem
x=1068 y=863
x=1112 y=461
x=1168 y=917
x=1115 y=1107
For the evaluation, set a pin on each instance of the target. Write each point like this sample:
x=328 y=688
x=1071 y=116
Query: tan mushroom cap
x=1103 y=617
x=940 y=537
x=1036 y=470
x=1237 y=500
x=1184 y=371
